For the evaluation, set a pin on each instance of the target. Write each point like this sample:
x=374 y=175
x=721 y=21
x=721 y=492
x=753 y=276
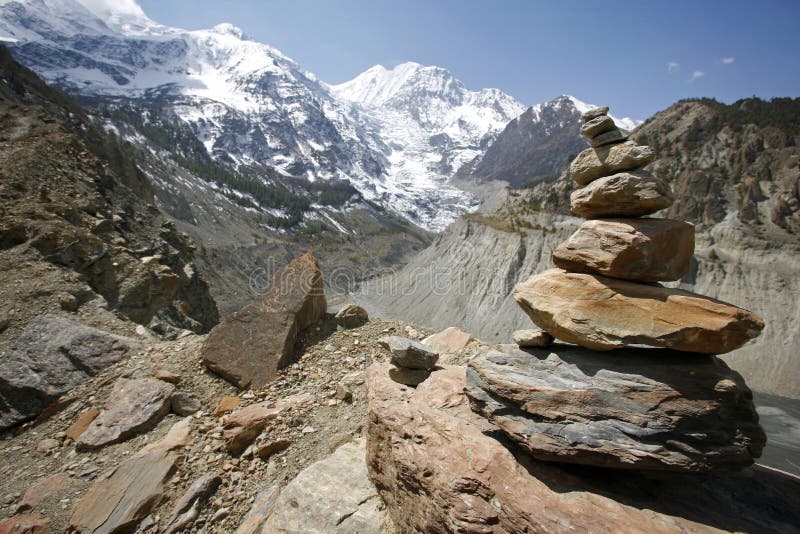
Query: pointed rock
x=605 y=313
x=594 y=163
x=621 y=195
x=627 y=409
x=132 y=407
x=249 y=347
x=645 y=250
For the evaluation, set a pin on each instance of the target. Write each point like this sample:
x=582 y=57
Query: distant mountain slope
x=535 y=146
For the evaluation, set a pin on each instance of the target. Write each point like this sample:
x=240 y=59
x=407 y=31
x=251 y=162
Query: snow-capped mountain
x=250 y=104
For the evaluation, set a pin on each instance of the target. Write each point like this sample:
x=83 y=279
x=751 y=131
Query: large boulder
x=249 y=347
x=632 y=408
x=439 y=470
x=625 y=194
x=594 y=163
x=333 y=495
x=645 y=250
x=51 y=357
x=133 y=406
x=606 y=313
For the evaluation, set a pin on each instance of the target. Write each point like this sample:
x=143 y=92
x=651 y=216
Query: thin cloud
x=672 y=66
x=697 y=75
x=728 y=60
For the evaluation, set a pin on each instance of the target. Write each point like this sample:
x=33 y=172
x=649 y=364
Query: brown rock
x=250 y=346
x=351 y=316
x=439 y=472
x=41 y=490
x=621 y=195
x=607 y=138
x=594 y=163
x=120 y=499
x=605 y=313
x=408 y=377
x=133 y=406
x=82 y=423
x=631 y=408
x=598 y=125
x=532 y=338
x=242 y=427
x=645 y=250
x=273 y=447
x=162 y=373
x=25 y=524
x=227 y=405
x=451 y=339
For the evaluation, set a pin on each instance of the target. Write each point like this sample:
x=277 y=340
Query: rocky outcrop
x=439 y=469
x=605 y=313
x=252 y=344
x=647 y=250
x=332 y=495
x=134 y=406
x=52 y=356
x=630 y=409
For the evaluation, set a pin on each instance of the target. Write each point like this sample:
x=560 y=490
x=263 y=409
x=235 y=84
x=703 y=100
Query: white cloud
x=106 y=8
x=672 y=66
x=728 y=60
x=696 y=75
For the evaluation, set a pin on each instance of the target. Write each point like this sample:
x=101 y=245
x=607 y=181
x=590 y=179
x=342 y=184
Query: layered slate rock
x=249 y=347
x=333 y=495
x=439 y=470
x=633 y=408
x=594 y=163
x=625 y=194
x=51 y=357
x=133 y=406
x=646 y=250
x=606 y=313
x=120 y=499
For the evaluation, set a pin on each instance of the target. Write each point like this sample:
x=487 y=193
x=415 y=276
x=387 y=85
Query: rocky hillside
x=79 y=230
x=716 y=158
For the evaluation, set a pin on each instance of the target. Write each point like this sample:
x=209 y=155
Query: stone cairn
x=674 y=407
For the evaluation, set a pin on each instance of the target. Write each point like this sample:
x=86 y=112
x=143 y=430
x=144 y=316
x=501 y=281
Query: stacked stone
x=674 y=407
x=412 y=362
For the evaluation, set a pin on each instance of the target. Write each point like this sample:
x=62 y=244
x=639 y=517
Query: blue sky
x=638 y=57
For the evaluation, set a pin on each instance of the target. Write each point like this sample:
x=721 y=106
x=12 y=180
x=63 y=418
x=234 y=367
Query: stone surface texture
x=644 y=250
x=408 y=353
x=250 y=346
x=625 y=194
x=594 y=163
x=632 y=408
x=532 y=337
x=52 y=356
x=606 y=313
x=351 y=316
x=451 y=339
x=439 y=471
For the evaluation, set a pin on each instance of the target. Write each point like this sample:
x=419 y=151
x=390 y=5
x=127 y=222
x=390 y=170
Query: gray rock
x=132 y=407
x=52 y=356
x=409 y=353
x=614 y=136
x=630 y=409
x=186 y=509
x=594 y=113
x=621 y=195
x=532 y=338
x=598 y=125
x=185 y=404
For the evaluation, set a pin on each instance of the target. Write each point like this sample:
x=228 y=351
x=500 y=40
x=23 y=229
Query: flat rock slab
x=132 y=407
x=632 y=408
x=249 y=347
x=333 y=495
x=409 y=353
x=438 y=469
x=594 y=163
x=644 y=250
x=625 y=194
x=120 y=499
x=52 y=356
x=605 y=313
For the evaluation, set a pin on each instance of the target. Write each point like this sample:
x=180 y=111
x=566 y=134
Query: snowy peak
x=626 y=123
x=376 y=85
